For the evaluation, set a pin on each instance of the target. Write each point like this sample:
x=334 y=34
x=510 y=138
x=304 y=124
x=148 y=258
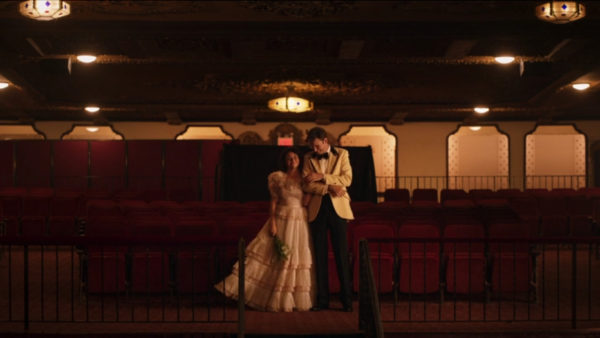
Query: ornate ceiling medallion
x=290 y=103
x=560 y=11
x=45 y=10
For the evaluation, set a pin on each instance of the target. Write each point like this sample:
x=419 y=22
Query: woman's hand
x=273 y=229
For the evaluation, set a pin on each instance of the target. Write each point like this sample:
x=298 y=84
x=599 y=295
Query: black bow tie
x=320 y=156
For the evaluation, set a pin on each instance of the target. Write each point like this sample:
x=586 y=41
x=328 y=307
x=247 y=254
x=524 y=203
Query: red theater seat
x=397 y=195
x=66 y=205
x=33 y=226
x=36 y=206
x=453 y=194
x=150 y=263
x=512 y=262
x=102 y=208
x=106 y=264
x=382 y=254
x=465 y=268
x=424 y=195
x=419 y=263
x=63 y=226
x=194 y=265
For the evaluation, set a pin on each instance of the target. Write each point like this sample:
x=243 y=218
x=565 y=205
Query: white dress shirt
x=325 y=161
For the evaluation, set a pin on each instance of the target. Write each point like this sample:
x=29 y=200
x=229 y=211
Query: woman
x=275 y=283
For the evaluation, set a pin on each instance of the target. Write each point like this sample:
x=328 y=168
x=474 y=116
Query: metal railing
x=369 y=318
x=480 y=182
x=510 y=280
x=118 y=280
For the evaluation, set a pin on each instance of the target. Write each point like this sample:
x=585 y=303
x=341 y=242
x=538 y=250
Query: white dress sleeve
x=274 y=183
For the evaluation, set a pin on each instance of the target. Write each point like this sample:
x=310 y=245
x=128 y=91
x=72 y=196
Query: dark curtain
x=245 y=169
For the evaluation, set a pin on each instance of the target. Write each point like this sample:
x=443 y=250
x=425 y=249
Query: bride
x=276 y=281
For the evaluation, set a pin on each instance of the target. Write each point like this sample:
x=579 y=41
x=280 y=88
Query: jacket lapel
x=315 y=164
x=332 y=162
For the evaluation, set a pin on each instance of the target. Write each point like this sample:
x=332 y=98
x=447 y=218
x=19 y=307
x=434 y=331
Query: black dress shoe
x=318 y=308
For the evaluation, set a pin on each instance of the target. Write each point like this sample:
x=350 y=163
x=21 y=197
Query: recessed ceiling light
x=475 y=128
x=92 y=109
x=86 y=58
x=581 y=86
x=481 y=110
x=92 y=129
x=504 y=59
x=3 y=84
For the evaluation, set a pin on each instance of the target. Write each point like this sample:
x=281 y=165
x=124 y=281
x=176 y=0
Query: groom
x=327 y=174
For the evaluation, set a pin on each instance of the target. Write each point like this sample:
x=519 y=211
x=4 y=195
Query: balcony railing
x=481 y=182
x=118 y=280
x=492 y=280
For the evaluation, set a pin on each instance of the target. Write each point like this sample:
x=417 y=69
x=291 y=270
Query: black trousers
x=328 y=220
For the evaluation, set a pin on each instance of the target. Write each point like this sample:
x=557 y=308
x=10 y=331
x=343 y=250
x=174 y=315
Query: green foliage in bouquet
x=281 y=249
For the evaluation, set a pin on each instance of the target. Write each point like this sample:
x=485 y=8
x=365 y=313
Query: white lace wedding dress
x=272 y=284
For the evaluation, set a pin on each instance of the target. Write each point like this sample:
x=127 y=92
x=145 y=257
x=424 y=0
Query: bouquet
x=282 y=250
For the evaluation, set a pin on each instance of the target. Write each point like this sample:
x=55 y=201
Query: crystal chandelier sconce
x=45 y=10
x=290 y=103
x=560 y=11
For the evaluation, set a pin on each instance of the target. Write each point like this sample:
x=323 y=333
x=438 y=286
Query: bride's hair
x=287 y=150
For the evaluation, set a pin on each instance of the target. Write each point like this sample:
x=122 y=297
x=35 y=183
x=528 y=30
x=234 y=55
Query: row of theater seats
x=468 y=267
x=112 y=269
x=461 y=258
x=560 y=212
x=64 y=215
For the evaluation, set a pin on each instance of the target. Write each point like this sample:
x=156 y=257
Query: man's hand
x=336 y=190
x=313 y=177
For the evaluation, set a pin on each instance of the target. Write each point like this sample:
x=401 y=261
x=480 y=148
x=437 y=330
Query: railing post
x=574 y=286
x=369 y=317
x=26 y=287
x=241 y=288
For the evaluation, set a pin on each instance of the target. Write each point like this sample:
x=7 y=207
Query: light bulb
x=92 y=109
x=481 y=110
x=86 y=58
x=505 y=59
x=475 y=128
x=92 y=129
x=3 y=84
x=580 y=86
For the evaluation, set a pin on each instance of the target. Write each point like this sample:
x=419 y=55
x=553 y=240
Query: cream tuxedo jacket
x=338 y=172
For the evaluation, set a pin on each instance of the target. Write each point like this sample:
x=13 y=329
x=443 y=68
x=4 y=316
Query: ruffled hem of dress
x=266 y=299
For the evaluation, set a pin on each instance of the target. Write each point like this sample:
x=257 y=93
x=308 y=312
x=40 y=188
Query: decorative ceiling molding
x=212 y=83
x=140 y=8
x=250 y=137
x=301 y=9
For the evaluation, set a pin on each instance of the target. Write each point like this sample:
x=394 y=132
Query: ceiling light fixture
x=45 y=10
x=92 y=109
x=580 y=86
x=290 y=103
x=505 y=59
x=475 y=128
x=86 y=58
x=481 y=110
x=3 y=84
x=92 y=129
x=560 y=11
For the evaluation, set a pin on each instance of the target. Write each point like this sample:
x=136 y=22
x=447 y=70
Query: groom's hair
x=314 y=133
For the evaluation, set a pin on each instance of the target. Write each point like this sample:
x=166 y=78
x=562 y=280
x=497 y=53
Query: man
x=327 y=174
